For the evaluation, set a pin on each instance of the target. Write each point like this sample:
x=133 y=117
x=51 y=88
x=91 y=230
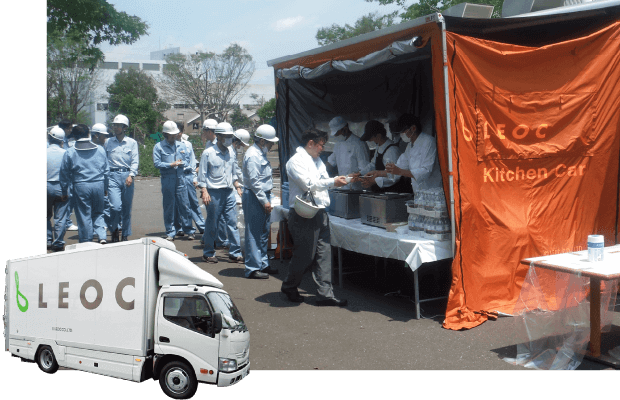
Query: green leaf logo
x=21 y=308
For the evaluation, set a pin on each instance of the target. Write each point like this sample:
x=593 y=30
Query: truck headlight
x=227 y=365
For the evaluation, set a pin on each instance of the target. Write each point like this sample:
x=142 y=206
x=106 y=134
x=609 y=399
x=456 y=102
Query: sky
x=268 y=29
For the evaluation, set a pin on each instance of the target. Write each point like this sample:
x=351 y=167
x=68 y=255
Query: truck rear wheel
x=177 y=380
x=46 y=360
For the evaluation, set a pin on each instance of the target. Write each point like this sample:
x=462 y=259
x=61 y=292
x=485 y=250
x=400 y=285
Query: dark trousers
x=311 y=250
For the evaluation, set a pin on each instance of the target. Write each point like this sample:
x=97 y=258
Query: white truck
x=133 y=310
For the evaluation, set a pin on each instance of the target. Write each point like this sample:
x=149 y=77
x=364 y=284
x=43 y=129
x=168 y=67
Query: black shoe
x=180 y=233
x=293 y=295
x=115 y=236
x=258 y=275
x=270 y=270
x=124 y=239
x=238 y=259
x=55 y=249
x=332 y=302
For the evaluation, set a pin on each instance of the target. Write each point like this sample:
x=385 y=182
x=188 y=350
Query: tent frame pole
x=448 y=129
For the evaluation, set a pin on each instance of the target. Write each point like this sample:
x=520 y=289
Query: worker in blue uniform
x=191 y=182
x=218 y=176
x=66 y=125
x=98 y=135
x=57 y=205
x=123 y=157
x=256 y=202
x=85 y=165
x=168 y=158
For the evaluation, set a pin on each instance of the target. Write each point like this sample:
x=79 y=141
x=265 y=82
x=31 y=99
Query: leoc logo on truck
x=63 y=294
x=18 y=294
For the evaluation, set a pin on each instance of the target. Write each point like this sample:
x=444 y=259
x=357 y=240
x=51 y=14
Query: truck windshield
x=231 y=317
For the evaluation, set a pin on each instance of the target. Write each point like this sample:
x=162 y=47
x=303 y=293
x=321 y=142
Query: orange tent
x=526 y=115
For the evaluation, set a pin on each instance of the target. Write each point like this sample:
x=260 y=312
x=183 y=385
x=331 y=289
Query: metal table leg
x=340 y=284
x=595 y=317
x=416 y=289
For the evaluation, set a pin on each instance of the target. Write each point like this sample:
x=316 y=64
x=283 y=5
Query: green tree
x=239 y=120
x=211 y=84
x=133 y=94
x=71 y=79
x=92 y=22
x=375 y=20
x=267 y=111
x=365 y=24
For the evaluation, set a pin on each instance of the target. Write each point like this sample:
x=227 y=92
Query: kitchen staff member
x=311 y=236
x=168 y=158
x=386 y=152
x=420 y=161
x=350 y=153
x=218 y=176
x=256 y=202
x=123 y=157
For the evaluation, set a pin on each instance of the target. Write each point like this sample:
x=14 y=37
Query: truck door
x=184 y=328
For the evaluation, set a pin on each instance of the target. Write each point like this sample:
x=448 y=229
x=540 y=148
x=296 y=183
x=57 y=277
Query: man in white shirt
x=387 y=152
x=350 y=153
x=311 y=236
x=420 y=161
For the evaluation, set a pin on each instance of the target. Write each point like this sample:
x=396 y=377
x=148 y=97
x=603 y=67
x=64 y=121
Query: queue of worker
x=95 y=173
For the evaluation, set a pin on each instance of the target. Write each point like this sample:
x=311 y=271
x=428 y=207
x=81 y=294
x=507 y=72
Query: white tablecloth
x=351 y=234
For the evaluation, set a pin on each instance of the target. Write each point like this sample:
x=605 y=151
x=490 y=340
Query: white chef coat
x=307 y=173
x=421 y=160
x=350 y=156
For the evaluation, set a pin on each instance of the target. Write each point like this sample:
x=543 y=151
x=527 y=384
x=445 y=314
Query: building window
x=108 y=65
x=196 y=125
x=150 y=67
x=102 y=106
x=131 y=65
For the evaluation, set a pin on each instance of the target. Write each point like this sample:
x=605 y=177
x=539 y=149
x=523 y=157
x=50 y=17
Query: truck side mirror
x=217 y=323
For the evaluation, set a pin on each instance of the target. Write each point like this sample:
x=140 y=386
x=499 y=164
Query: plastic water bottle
x=596 y=244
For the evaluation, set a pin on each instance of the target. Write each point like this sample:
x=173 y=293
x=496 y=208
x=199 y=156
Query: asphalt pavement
x=377 y=331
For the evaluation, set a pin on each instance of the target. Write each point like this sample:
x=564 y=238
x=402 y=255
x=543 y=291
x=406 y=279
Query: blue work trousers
x=257 y=227
x=57 y=208
x=193 y=207
x=70 y=205
x=89 y=209
x=121 y=199
x=174 y=198
x=222 y=203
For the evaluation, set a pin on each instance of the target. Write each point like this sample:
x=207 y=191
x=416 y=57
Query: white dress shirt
x=307 y=173
x=350 y=156
x=421 y=160
x=390 y=155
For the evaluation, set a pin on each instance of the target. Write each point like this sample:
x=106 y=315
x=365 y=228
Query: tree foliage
x=71 y=78
x=133 y=94
x=375 y=20
x=267 y=111
x=365 y=24
x=239 y=120
x=211 y=84
x=92 y=22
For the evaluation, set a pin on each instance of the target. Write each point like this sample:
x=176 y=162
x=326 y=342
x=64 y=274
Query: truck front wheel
x=177 y=380
x=46 y=360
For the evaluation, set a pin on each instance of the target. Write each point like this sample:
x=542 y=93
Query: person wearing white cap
x=99 y=134
x=168 y=158
x=191 y=182
x=85 y=165
x=256 y=203
x=208 y=133
x=350 y=153
x=123 y=156
x=217 y=177
x=57 y=205
x=311 y=235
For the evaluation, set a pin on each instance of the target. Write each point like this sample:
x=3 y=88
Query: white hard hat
x=121 y=119
x=171 y=128
x=184 y=136
x=337 y=124
x=99 y=128
x=266 y=132
x=57 y=133
x=305 y=209
x=209 y=124
x=224 y=128
x=242 y=135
